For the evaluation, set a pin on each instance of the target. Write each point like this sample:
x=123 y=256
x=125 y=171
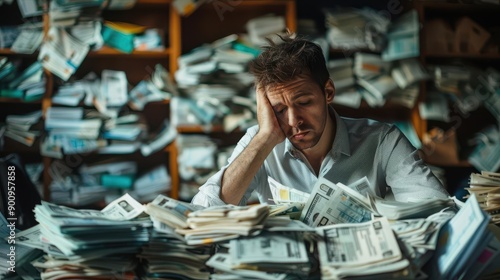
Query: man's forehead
x=293 y=89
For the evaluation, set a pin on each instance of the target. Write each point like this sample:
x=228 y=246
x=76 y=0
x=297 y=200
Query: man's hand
x=269 y=127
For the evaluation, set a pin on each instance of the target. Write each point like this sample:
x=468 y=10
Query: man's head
x=282 y=62
x=296 y=82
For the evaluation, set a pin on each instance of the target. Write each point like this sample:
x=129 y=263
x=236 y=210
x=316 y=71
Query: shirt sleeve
x=407 y=174
x=209 y=193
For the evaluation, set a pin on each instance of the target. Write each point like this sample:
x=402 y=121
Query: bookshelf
x=209 y=23
x=137 y=65
x=464 y=125
x=10 y=15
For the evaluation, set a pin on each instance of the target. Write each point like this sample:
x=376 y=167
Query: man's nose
x=294 y=118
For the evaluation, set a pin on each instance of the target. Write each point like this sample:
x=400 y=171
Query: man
x=299 y=138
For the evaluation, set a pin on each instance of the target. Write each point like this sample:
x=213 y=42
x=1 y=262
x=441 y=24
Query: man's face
x=301 y=109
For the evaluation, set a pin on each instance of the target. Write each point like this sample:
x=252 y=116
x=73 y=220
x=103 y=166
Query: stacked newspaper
x=468 y=247
x=332 y=203
x=15 y=264
x=167 y=256
x=486 y=187
x=362 y=249
x=270 y=255
x=418 y=237
x=220 y=223
x=396 y=210
x=166 y=212
x=84 y=243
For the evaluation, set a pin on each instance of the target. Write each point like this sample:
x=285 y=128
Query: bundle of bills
x=395 y=210
x=420 y=236
x=85 y=243
x=167 y=257
x=376 y=254
x=270 y=255
x=171 y=212
x=332 y=203
x=486 y=187
x=221 y=223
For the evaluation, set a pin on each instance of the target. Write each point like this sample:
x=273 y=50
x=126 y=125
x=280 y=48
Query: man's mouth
x=300 y=135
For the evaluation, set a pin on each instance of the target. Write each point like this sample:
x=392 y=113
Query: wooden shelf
x=108 y=51
x=388 y=112
x=453 y=153
x=349 y=52
x=153 y=2
x=479 y=56
x=210 y=23
x=13 y=146
x=200 y=129
x=8 y=51
x=460 y=7
x=18 y=100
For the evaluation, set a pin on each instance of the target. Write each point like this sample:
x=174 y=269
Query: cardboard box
x=470 y=37
x=439 y=36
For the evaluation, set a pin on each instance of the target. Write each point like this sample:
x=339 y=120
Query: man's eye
x=303 y=103
x=280 y=111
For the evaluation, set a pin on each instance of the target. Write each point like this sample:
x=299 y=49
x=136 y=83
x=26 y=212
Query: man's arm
x=407 y=175
x=241 y=171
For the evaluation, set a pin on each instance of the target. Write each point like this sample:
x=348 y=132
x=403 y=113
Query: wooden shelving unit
x=137 y=65
x=487 y=16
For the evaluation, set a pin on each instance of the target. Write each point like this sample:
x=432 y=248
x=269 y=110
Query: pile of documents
x=15 y=261
x=215 y=224
x=68 y=237
x=486 y=188
x=181 y=240
x=168 y=256
x=396 y=210
x=331 y=203
x=166 y=212
x=265 y=26
x=270 y=255
x=392 y=75
x=27 y=85
x=213 y=79
x=468 y=247
x=347 y=28
x=24 y=128
x=71 y=130
x=418 y=237
x=362 y=249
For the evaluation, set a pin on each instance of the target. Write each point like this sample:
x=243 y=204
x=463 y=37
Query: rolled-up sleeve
x=209 y=193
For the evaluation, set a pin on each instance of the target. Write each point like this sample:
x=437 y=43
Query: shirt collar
x=340 y=143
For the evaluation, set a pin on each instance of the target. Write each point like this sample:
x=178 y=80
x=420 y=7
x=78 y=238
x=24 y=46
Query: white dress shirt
x=362 y=147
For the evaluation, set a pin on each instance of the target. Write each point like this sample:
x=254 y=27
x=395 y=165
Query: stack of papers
x=377 y=252
x=168 y=257
x=214 y=224
x=467 y=247
x=170 y=212
x=266 y=256
x=88 y=242
x=24 y=128
x=331 y=203
x=486 y=188
x=395 y=210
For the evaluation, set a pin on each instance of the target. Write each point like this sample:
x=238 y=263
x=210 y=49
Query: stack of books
x=486 y=188
x=27 y=85
x=24 y=128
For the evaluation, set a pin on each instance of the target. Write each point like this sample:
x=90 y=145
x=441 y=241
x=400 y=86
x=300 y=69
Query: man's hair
x=282 y=62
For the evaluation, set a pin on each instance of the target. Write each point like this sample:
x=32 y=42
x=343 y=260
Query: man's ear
x=329 y=91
